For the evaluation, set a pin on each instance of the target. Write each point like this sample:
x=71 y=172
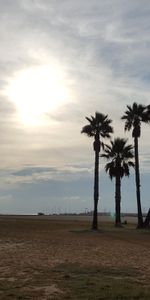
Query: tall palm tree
x=134 y=116
x=99 y=127
x=120 y=156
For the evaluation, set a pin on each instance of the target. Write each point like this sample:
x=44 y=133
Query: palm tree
x=134 y=116
x=119 y=155
x=98 y=127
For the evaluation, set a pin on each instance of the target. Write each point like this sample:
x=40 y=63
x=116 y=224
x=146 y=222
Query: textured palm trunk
x=137 y=180
x=118 y=202
x=96 y=181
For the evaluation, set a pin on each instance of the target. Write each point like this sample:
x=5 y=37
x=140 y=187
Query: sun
x=37 y=91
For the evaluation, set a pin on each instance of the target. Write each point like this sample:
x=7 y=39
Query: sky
x=62 y=60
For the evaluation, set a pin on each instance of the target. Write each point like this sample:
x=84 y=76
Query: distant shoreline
x=70 y=214
x=102 y=217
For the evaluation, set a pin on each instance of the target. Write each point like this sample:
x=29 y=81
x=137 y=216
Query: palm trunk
x=147 y=220
x=117 y=202
x=137 y=180
x=96 y=182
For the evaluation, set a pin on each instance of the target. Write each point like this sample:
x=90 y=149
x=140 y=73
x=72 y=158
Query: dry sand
x=33 y=246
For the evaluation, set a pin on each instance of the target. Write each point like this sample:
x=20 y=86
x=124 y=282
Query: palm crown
x=100 y=124
x=120 y=156
x=134 y=116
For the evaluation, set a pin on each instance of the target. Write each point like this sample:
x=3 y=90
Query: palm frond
x=88 y=119
x=131 y=164
x=110 y=169
x=88 y=130
x=125 y=168
x=104 y=155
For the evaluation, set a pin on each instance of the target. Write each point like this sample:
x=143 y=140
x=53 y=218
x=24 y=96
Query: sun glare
x=37 y=91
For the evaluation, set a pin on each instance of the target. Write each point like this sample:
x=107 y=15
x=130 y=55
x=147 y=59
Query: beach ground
x=62 y=258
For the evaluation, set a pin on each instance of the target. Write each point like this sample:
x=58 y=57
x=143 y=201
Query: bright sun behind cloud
x=37 y=91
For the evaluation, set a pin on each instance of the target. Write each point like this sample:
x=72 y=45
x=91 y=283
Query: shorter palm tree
x=120 y=156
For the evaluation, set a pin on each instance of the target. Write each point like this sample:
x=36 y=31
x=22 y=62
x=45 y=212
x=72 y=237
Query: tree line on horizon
x=120 y=156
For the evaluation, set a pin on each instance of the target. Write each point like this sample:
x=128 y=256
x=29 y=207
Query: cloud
x=11 y=178
x=33 y=170
x=103 y=49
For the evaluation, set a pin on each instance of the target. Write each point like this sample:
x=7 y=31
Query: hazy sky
x=62 y=60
